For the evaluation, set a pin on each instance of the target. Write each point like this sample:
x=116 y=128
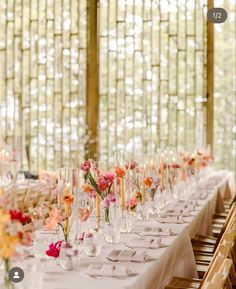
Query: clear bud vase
x=143 y=208
x=125 y=217
x=111 y=225
x=68 y=258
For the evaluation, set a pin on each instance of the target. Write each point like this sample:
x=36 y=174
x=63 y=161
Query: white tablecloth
x=176 y=259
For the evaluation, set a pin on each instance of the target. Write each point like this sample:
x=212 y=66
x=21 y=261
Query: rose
x=103 y=183
x=85 y=166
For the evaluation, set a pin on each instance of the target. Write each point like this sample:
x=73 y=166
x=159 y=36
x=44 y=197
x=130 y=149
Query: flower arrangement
x=12 y=233
x=101 y=184
x=60 y=213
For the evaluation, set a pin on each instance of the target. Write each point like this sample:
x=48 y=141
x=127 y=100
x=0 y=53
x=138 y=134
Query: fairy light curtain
x=152 y=75
x=42 y=80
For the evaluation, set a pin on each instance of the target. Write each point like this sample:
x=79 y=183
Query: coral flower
x=120 y=172
x=84 y=214
x=148 y=181
x=87 y=188
x=53 y=219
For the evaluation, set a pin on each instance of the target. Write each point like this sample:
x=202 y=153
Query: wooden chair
x=218 y=276
x=224 y=249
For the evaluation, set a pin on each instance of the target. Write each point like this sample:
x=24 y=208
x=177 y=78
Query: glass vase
x=92 y=244
x=111 y=226
x=5 y=282
x=68 y=258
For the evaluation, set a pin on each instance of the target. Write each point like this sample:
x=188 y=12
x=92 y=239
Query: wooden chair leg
x=228 y=284
x=233 y=276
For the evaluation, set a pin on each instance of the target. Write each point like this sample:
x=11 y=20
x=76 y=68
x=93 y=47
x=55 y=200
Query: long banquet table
x=176 y=258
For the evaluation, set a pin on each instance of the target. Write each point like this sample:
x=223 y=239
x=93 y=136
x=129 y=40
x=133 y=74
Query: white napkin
x=108 y=270
x=171 y=219
x=140 y=256
x=177 y=212
x=156 y=232
x=128 y=255
x=144 y=242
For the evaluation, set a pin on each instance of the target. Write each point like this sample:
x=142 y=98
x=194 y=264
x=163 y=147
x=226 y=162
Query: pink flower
x=103 y=183
x=111 y=198
x=86 y=166
x=84 y=214
x=54 y=249
x=110 y=176
x=133 y=202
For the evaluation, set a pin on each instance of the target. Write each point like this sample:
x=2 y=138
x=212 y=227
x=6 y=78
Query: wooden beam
x=210 y=81
x=92 y=88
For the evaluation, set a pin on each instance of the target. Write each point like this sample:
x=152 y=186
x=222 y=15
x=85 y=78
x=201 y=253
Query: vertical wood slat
x=92 y=86
x=210 y=80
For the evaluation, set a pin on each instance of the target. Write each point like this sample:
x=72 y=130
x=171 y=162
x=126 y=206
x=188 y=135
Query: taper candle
x=122 y=193
x=98 y=208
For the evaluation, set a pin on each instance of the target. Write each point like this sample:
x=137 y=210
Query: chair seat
x=203 y=248
x=185 y=282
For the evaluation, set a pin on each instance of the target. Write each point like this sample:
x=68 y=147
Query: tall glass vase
x=5 y=282
x=111 y=224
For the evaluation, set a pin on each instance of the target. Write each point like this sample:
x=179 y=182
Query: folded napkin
x=156 y=232
x=108 y=270
x=201 y=196
x=144 y=242
x=128 y=255
x=171 y=219
x=178 y=212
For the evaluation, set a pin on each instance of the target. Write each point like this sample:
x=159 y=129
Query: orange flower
x=120 y=172
x=67 y=199
x=148 y=182
x=87 y=188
